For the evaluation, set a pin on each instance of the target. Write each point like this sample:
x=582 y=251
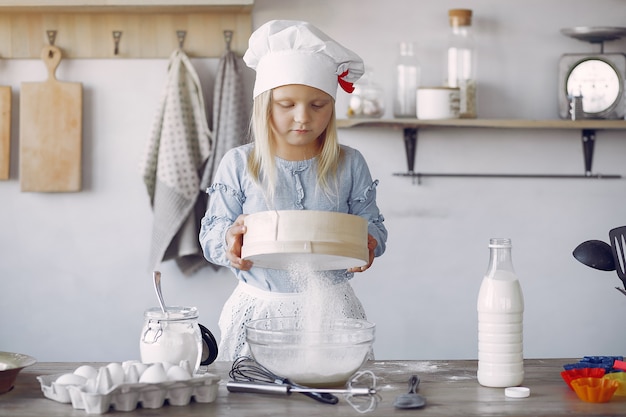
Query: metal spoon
x=410 y=400
x=156 y=275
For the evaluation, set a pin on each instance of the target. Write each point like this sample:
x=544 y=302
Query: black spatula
x=618 y=244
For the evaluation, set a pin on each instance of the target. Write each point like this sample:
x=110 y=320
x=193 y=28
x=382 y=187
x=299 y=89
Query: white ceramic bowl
x=324 y=357
x=10 y=365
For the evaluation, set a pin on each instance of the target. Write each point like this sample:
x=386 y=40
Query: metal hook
x=52 y=36
x=117 y=35
x=228 y=37
x=181 y=34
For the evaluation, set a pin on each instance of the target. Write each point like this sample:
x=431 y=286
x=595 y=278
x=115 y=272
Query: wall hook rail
x=117 y=35
x=228 y=38
x=181 y=35
x=52 y=36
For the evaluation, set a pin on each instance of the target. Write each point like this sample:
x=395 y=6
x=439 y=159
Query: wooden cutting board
x=51 y=131
x=5 y=131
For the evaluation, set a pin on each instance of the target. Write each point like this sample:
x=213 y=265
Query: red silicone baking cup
x=572 y=374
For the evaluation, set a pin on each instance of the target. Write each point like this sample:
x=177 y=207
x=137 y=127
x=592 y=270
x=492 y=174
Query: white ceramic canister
x=438 y=103
x=172 y=336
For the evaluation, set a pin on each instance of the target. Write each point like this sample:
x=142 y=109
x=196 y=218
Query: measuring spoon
x=410 y=400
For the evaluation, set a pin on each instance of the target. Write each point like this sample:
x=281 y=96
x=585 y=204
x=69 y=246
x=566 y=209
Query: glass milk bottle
x=407 y=79
x=461 y=60
x=500 y=320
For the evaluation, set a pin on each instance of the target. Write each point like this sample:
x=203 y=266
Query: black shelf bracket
x=588 y=138
x=589 y=142
x=410 y=146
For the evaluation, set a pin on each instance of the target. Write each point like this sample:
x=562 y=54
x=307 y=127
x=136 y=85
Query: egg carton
x=128 y=396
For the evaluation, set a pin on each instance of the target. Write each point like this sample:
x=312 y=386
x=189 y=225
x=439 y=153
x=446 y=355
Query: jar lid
x=517 y=392
x=172 y=313
x=460 y=17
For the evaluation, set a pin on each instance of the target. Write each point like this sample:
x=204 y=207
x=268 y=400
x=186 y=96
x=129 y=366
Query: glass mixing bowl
x=326 y=354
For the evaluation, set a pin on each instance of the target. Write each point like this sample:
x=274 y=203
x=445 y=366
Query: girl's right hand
x=234 y=242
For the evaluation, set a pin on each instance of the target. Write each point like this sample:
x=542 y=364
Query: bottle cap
x=517 y=392
x=460 y=17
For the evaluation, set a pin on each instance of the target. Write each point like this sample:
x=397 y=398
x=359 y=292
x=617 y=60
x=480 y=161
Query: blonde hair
x=261 y=162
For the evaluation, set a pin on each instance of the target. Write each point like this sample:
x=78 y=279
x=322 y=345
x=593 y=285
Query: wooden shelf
x=411 y=127
x=487 y=123
x=148 y=28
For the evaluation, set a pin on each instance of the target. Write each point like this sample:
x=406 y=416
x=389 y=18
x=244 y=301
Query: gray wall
x=73 y=267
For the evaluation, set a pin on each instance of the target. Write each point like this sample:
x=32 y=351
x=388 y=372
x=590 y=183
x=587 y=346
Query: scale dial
x=600 y=81
x=599 y=78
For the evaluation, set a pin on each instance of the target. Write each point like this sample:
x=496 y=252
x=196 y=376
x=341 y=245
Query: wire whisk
x=360 y=391
x=247 y=369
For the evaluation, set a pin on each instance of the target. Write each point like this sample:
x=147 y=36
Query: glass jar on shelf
x=407 y=79
x=367 y=100
x=461 y=60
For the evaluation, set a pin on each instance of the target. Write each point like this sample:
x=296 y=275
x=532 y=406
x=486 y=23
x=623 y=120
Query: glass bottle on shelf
x=367 y=100
x=461 y=60
x=407 y=79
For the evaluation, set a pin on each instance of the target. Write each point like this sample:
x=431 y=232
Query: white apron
x=250 y=303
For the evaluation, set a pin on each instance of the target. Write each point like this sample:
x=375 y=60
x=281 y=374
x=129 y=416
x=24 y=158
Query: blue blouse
x=235 y=192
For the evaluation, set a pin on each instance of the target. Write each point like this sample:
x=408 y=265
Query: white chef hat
x=293 y=52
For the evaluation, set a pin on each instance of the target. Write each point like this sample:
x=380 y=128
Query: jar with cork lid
x=461 y=60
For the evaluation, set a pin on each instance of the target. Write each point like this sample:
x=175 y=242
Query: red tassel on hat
x=348 y=87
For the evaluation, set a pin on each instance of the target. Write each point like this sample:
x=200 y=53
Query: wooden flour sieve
x=319 y=240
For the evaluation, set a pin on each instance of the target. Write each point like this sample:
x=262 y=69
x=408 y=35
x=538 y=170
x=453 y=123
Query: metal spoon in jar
x=410 y=400
x=156 y=275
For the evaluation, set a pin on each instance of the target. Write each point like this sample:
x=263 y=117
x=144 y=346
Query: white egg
x=117 y=373
x=154 y=374
x=71 y=379
x=86 y=371
x=177 y=373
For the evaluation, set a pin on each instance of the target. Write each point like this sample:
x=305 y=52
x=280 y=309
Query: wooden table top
x=450 y=388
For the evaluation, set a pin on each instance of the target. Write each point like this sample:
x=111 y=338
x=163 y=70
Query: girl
x=294 y=163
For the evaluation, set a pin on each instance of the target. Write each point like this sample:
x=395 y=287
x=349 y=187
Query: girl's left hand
x=371 y=245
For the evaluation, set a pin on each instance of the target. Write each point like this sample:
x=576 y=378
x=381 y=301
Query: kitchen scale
x=598 y=78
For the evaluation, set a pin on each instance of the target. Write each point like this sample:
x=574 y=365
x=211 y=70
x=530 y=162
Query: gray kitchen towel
x=230 y=112
x=176 y=154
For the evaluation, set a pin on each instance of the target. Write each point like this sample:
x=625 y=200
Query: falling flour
x=314 y=362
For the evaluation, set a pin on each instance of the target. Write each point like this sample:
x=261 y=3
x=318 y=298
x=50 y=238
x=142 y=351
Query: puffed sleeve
x=226 y=200
x=363 y=200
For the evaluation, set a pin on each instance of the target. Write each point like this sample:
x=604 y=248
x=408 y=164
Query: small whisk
x=245 y=369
